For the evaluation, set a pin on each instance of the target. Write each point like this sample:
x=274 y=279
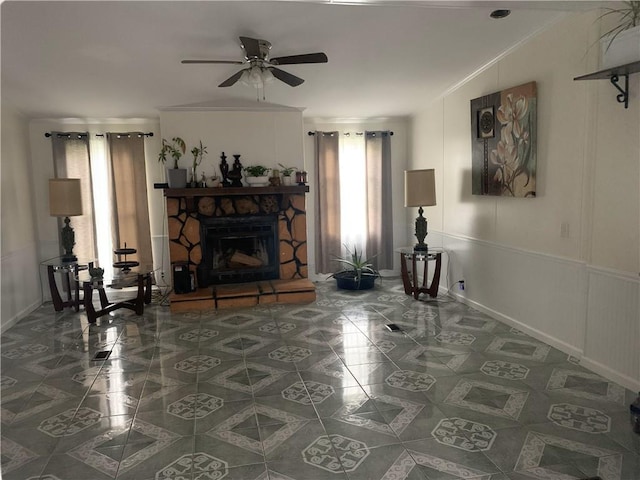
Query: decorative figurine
x=235 y=175
x=224 y=170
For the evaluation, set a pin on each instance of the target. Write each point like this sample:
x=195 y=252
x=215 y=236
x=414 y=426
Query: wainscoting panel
x=538 y=293
x=591 y=313
x=612 y=341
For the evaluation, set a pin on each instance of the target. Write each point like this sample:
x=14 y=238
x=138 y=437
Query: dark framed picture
x=486 y=123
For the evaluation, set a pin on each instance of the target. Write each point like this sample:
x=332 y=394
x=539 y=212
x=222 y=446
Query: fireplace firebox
x=238 y=249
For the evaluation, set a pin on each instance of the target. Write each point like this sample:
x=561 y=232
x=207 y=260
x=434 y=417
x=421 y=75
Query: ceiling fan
x=260 y=68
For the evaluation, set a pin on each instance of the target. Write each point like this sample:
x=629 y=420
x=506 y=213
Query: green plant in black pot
x=357 y=273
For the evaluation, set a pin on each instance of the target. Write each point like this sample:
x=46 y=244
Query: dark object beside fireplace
x=238 y=249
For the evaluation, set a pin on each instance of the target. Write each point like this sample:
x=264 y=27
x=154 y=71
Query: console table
x=412 y=263
x=140 y=277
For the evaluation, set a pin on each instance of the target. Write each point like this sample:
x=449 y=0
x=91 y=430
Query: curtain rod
x=81 y=135
x=357 y=133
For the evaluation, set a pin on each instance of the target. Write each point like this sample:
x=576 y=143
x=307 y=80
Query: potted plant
x=357 y=274
x=286 y=174
x=257 y=175
x=621 y=44
x=176 y=177
x=198 y=153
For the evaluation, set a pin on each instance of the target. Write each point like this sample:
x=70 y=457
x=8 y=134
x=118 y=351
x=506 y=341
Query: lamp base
x=421 y=247
x=69 y=258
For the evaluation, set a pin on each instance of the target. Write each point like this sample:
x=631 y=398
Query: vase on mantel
x=262 y=181
x=177 y=177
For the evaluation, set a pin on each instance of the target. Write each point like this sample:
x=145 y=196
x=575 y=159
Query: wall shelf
x=614 y=74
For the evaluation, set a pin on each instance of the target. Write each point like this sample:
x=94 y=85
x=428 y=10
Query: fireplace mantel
x=233 y=191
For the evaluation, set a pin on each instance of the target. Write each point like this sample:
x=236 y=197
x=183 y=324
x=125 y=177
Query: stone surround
x=185 y=208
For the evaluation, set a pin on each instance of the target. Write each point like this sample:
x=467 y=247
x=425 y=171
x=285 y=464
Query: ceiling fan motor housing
x=263 y=47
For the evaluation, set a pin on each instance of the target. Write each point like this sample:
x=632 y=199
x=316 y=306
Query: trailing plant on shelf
x=256 y=170
x=175 y=149
x=357 y=273
x=629 y=17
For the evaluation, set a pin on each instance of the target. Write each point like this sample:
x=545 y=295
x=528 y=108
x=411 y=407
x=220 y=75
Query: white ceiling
x=122 y=59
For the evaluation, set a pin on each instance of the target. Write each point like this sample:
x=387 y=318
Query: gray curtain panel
x=71 y=160
x=379 y=238
x=327 y=192
x=128 y=187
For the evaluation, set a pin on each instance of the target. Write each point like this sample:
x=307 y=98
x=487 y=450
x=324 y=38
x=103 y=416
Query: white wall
x=19 y=262
x=399 y=154
x=579 y=293
x=263 y=136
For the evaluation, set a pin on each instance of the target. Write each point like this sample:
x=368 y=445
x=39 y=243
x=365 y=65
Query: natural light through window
x=102 y=210
x=353 y=190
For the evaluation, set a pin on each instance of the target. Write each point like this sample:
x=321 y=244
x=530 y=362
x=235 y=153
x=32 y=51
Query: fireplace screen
x=238 y=249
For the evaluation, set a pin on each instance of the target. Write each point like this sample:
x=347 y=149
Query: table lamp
x=420 y=191
x=65 y=200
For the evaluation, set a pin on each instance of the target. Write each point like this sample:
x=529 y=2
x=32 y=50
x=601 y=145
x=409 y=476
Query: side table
x=140 y=278
x=411 y=262
x=69 y=270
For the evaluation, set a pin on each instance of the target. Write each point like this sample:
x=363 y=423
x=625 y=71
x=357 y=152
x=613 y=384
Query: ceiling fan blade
x=251 y=47
x=232 y=79
x=296 y=59
x=231 y=62
x=286 y=77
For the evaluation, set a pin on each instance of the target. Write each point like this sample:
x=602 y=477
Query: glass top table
x=415 y=264
x=66 y=270
x=140 y=277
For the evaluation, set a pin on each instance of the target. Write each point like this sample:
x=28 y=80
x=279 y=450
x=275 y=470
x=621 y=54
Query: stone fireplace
x=246 y=243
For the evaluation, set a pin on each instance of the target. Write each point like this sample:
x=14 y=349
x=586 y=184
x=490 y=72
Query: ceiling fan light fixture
x=256 y=77
x=267 y=76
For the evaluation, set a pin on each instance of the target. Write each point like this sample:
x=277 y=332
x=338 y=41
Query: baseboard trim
x=600 y=369
x=7 y=324
x=537 y=334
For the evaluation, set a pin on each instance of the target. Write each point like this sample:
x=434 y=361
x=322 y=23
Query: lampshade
x=419 y=188
x=65 y=197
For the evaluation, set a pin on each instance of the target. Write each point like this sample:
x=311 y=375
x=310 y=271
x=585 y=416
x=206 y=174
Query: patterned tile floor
x=313 y=392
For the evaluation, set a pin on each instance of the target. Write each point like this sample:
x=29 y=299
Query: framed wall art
x=503 y=142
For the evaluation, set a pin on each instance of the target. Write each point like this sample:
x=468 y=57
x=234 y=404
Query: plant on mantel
x=175 y=149
x=198 y=153
x=257 y=170
x=287 y=171
x=176 y=177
